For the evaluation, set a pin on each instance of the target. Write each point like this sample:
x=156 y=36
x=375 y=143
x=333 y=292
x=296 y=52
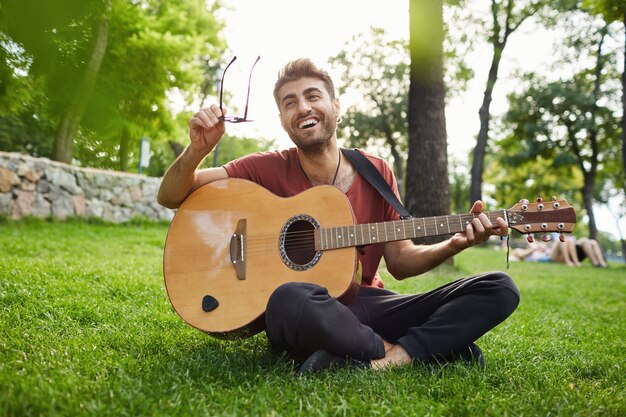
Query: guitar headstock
x=542 y=217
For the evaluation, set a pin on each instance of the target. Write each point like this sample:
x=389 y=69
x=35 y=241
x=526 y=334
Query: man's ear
x=337 y=107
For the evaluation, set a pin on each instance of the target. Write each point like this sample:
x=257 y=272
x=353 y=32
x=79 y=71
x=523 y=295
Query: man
x=379 y=328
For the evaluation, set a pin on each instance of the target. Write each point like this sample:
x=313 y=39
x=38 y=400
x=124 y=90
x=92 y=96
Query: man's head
x=301 y=68
x=308 y=109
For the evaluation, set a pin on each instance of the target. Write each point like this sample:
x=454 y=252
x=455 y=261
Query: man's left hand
x=480 y=229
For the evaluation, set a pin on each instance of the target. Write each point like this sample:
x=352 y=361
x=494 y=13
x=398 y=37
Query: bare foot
x=395 y=355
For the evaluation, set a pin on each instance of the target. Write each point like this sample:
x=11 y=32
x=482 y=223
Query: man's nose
x=304 y=106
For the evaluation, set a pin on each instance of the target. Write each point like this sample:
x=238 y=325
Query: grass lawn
x=86 y=329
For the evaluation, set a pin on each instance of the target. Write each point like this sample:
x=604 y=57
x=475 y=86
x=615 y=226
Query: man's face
x=307 y=113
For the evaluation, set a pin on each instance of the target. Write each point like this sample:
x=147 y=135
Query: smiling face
x=308 y=113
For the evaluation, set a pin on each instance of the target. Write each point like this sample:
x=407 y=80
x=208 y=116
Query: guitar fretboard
x=370 y=233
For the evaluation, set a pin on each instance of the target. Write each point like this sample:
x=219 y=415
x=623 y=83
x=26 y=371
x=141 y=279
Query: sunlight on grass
x=86 y=329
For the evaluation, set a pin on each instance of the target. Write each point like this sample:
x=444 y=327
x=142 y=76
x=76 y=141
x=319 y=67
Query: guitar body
x=224 y=255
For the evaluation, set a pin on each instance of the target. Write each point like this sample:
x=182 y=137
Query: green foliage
x=611 y=10
x=553 y=119
x=231 y=147
x=25 y=132
x=54 y=40
x=153 y=48
x=559 y=131
x=376 y=68
x=86 y=329
x=375 y=71
x=458 y=44
x=159 y=53
x=531 y=178
x=459 y=185
x=24 y=126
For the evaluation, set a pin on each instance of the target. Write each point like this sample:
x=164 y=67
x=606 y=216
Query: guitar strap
x=375 y=178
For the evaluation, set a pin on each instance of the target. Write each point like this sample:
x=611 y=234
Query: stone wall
x=42 y=188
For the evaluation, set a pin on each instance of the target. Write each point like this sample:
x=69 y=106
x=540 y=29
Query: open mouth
x=308 y=123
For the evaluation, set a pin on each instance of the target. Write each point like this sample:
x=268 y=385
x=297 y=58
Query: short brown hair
x=300 y=68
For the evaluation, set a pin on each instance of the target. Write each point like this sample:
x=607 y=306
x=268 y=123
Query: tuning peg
x=524 y=204
x=530 y=238
x=539 y=203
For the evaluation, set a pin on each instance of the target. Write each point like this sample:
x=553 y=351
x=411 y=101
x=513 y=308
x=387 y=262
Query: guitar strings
x=390 y=226
x=294 y=236
x=304 y=240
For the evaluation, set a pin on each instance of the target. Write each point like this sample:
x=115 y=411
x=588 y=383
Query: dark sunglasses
x=236 y=119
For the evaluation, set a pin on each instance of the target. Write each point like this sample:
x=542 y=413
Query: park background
x=83 y=83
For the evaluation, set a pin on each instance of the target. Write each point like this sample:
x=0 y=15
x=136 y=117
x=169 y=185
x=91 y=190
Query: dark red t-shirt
x=280 y=172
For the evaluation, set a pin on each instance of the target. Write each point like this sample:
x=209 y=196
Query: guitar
x=232 y=243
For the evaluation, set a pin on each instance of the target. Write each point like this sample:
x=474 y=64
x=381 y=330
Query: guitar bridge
x=238 y=249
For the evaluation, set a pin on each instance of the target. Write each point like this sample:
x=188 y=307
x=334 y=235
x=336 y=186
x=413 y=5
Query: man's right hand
x=183 y=176
x=206 y=130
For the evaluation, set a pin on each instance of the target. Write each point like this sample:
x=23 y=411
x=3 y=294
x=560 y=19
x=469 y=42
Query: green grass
x=86 y=329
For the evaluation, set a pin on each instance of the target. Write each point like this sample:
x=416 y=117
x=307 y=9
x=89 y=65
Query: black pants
x=301 y=318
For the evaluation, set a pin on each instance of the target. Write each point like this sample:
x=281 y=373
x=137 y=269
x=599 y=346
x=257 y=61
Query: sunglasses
x=236 y=119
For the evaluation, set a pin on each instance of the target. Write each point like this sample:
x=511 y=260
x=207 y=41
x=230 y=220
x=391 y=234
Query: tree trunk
x=427 y=184
x=587 y=192
x=590 y=176
x=478 y=163
x=398 y=163
x=624 y=113
x=624 y=126
x=123 y=152
x=499 y=38
x=70 y=119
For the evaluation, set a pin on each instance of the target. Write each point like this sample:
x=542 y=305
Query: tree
x=23 y=124
x=614 y=11
x=377 y=69
x=376 y=72
x=65 y=41
x=427 y=184
x=75 y=107
x=569 y=121
x=107 y=67
x=506 y=18
x=459 y=185
x=159 y=48
x=37 y=38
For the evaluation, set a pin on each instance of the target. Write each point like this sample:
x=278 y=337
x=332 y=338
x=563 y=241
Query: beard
x=311 y=143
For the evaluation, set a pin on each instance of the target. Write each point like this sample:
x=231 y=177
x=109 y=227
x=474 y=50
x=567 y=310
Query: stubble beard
x=315 y=145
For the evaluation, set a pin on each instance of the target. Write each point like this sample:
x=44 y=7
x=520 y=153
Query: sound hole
x=297 y=243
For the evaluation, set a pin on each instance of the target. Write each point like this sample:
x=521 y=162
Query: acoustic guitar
x=232 y=243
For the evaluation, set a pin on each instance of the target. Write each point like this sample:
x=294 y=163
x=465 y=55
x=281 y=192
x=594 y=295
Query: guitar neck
x=370 y=233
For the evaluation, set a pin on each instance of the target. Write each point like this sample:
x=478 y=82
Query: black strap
x=375 y=178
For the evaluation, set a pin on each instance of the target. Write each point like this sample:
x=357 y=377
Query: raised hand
x=206 y=130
